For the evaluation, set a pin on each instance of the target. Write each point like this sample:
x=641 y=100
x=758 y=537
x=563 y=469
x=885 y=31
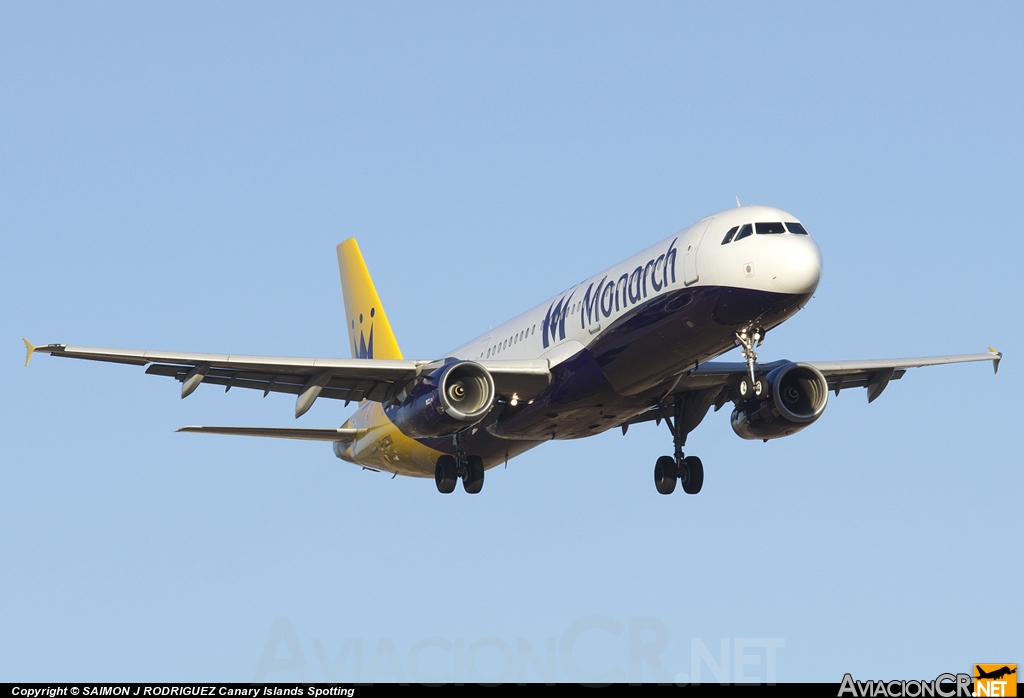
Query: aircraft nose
x=798 y=267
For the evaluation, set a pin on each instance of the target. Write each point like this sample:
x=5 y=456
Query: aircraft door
x=692 y=242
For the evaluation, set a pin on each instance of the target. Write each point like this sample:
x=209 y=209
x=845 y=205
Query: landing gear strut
x=682 y=417
x=449 y=469
x=751 y=387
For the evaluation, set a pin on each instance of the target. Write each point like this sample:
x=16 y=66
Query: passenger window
x=770 y=228
x=745 y=232
x=796 y=228
x=729 y=235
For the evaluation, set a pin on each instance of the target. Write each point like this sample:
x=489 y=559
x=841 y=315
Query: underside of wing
x=351 y=380
x=873 y=374
x=689 y=396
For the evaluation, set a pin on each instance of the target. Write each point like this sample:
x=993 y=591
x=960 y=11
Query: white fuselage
x=786 y=264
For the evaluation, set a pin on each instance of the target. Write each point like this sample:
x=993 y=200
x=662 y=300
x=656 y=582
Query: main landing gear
x=688 y=470
x=689 y=409
x=449 y=469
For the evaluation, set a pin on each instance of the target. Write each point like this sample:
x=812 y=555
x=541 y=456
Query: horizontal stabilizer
x=29 y=350
x=278 y=432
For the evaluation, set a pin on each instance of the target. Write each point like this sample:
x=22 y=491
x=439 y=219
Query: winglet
x=995 y=359
x=29 y=350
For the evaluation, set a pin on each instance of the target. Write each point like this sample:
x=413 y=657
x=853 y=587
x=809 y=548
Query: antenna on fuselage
x=737 y=201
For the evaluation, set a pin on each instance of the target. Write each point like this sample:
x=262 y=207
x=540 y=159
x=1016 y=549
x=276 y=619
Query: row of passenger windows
x=743 y=231
x=505 y=344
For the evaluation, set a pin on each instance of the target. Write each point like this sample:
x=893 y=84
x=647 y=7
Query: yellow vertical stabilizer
x=369 y=331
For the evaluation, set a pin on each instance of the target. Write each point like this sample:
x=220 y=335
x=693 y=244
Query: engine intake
x=797 y=396
x=452 y=398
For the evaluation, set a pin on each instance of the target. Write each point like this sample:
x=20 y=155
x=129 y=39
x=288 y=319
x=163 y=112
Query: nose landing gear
x=753 y=386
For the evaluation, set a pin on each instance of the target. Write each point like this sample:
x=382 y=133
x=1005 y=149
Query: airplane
x=996 y=674
x=631 y=344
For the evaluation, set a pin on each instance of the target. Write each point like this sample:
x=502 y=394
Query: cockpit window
x=728 y=236
x=770 y=228
x=796 y=228
x=745 y=231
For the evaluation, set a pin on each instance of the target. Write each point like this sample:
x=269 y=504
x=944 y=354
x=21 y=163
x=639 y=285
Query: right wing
x=351 y=380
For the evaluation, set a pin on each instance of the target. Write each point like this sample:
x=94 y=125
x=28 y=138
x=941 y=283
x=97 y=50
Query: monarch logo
x=995 y=679
x=363 y=348
x=609 y=295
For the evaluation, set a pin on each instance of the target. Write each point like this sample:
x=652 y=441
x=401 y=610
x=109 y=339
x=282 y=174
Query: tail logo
x=363 y=348
x=995 y=680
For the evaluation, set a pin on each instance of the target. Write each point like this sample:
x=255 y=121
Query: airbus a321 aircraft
x=633 y=343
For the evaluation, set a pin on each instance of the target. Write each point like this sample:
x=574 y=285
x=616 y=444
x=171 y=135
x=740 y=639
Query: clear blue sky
x=176 y=177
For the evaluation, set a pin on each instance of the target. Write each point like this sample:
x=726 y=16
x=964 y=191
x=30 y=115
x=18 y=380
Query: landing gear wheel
x=692 y=475
x=760 y=388
x=665 y=475
x=473 y=480
x=756 y=390
x=445 y=475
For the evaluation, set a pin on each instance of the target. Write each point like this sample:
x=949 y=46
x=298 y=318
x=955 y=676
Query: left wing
x=350 y=380
x=873 y=374
x=712 y=383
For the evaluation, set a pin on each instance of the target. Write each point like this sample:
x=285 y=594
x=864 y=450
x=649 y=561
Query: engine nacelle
x=797 y=396
x=452 y=398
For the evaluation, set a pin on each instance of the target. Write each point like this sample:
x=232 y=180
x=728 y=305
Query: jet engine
x=797 y=394
x=452 y=398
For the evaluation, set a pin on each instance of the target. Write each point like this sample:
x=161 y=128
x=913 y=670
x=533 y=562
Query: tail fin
x=368 y=328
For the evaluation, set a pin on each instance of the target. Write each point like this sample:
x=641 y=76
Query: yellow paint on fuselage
x=382 y=446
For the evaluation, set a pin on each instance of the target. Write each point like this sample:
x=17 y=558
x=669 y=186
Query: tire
x=665 y=475
x=693 y=475
x=745 y=389
x=760 y=388
x=474 y=480
x=444 y=475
